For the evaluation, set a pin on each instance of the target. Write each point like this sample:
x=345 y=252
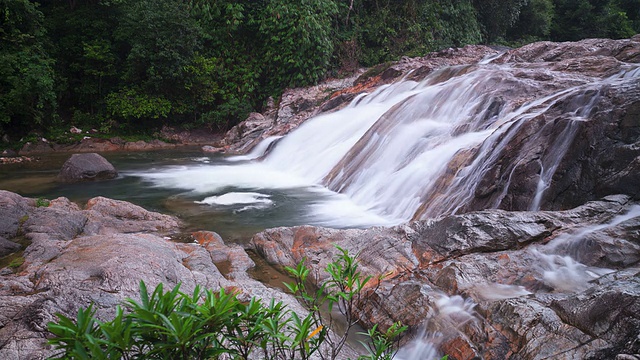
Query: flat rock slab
x=86 y=167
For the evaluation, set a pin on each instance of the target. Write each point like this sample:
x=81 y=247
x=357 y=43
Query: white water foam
x=407 y=150
x=564 y=274
x=569 y=238
x=234 y=198
x=421 y=347
x=495 y=291
x=258 y=151
x=202 y=159
x=449 y=314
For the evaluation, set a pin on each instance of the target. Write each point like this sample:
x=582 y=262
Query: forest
x=133 y=66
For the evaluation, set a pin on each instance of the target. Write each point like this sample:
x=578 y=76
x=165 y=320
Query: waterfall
x=413 y=150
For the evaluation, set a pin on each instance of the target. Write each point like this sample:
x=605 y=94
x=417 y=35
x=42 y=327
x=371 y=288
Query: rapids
x=410 y=150
x=421 y=149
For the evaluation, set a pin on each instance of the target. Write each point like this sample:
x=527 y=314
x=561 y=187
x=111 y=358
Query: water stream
x=410 y=150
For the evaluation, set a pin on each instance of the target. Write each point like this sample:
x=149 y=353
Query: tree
x=87 y=65
x=27 y=97
x=534 y=22
x=298 y=41
x=160 y=40
x=579 y=19
x=631 y=9
x=497 y=16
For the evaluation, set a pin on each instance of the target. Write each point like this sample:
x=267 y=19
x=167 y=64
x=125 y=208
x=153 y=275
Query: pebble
x=16 y=160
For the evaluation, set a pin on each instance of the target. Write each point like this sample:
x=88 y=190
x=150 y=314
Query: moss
x=373 y=72
x=40 y=202
x=16 y=263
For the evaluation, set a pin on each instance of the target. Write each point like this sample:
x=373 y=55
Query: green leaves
x=207 y=324
x=26 y=71
x=343 y=290
x=383 y=345
x=298 y=41
x=131 y=103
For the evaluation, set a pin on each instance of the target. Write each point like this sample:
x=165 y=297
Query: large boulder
x=86 y=167
x=14 y=210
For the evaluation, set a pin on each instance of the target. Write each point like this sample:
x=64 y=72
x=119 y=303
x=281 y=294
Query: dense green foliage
x=27 y=95
x=135 y=65
x=207 y=324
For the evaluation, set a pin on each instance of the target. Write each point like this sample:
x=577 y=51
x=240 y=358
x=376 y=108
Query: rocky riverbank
x=172 y=138
x=491 y=284
x=99 y=254
x=494 y=284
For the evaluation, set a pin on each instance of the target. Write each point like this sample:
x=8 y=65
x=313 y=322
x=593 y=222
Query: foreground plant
x=213 y=325
x=342 y=291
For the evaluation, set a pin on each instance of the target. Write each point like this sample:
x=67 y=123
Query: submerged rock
x=86 y=167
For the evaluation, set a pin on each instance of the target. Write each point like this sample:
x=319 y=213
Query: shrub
x=208 y=324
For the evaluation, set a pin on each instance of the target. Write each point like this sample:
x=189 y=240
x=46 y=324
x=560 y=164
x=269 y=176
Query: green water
x=38 y=180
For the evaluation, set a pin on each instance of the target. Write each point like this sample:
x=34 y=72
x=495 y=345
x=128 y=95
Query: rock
x=16 y=160
x=545 y=51
x=38 y=147
x=190 y=137
x=7 y=247
x=14 y=211
x=88 y=259
x=9 y=153
x=234 y=255
x=512 y=278
x=143 y=145
x=86 y=167
x=248 y=132
x=90 y=145
x=107 y=216
x=212 y=149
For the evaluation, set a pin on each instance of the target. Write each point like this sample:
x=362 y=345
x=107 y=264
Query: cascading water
x=407 y=150
x=414 y=150
x=559 y=267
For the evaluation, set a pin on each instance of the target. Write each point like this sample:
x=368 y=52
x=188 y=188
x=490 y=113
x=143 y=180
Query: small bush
x=210 y=325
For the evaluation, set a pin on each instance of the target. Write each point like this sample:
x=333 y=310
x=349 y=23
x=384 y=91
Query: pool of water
x=236 y=213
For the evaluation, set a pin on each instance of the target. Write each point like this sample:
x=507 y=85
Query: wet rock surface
x=299 y=104
x=578 y=146
x=496 y=284
x=86 y=167
x=98 y=255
